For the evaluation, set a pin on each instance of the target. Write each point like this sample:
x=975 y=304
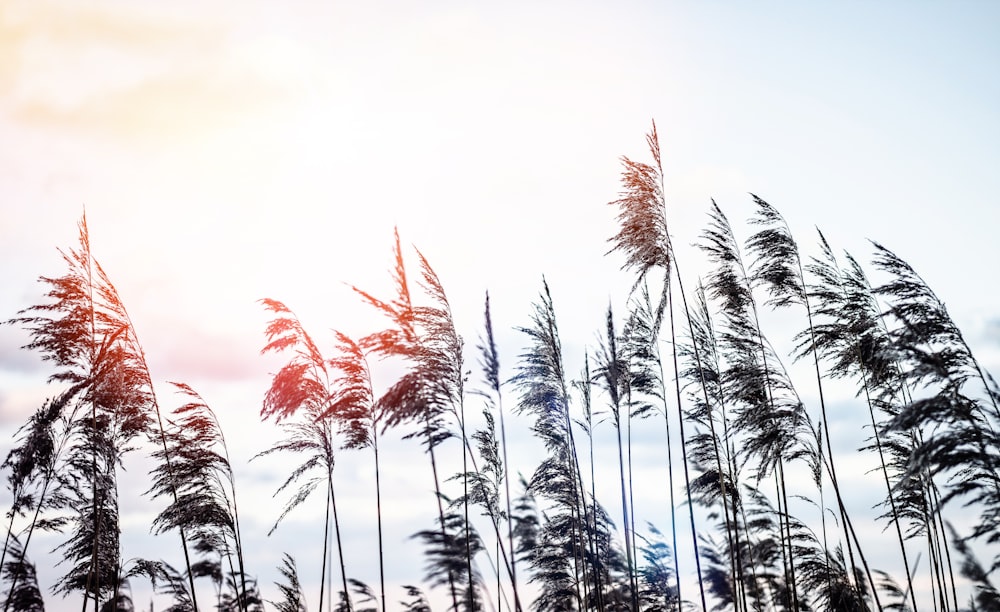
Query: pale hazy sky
x=229 y=151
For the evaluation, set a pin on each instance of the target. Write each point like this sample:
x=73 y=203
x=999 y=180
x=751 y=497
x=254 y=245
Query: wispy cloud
x=137 y=74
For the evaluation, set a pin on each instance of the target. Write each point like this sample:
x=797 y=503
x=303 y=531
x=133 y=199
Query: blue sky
x=226 y=153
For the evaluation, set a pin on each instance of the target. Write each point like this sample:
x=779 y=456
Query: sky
x=229 y=152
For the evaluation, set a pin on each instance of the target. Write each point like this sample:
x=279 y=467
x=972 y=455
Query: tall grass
x=762 y=538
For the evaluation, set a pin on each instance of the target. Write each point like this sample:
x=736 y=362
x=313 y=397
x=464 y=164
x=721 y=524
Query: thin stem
x=631 y=497
x=378 y=510
x=437 y=491
x=340 y=549
x=687 y=478
x=625 y=518
x=506 y=482
x=94 y=569
x=326 y=539
x=465 y=505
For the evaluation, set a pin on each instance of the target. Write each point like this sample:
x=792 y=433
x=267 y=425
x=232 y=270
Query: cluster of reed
x=694 y=356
